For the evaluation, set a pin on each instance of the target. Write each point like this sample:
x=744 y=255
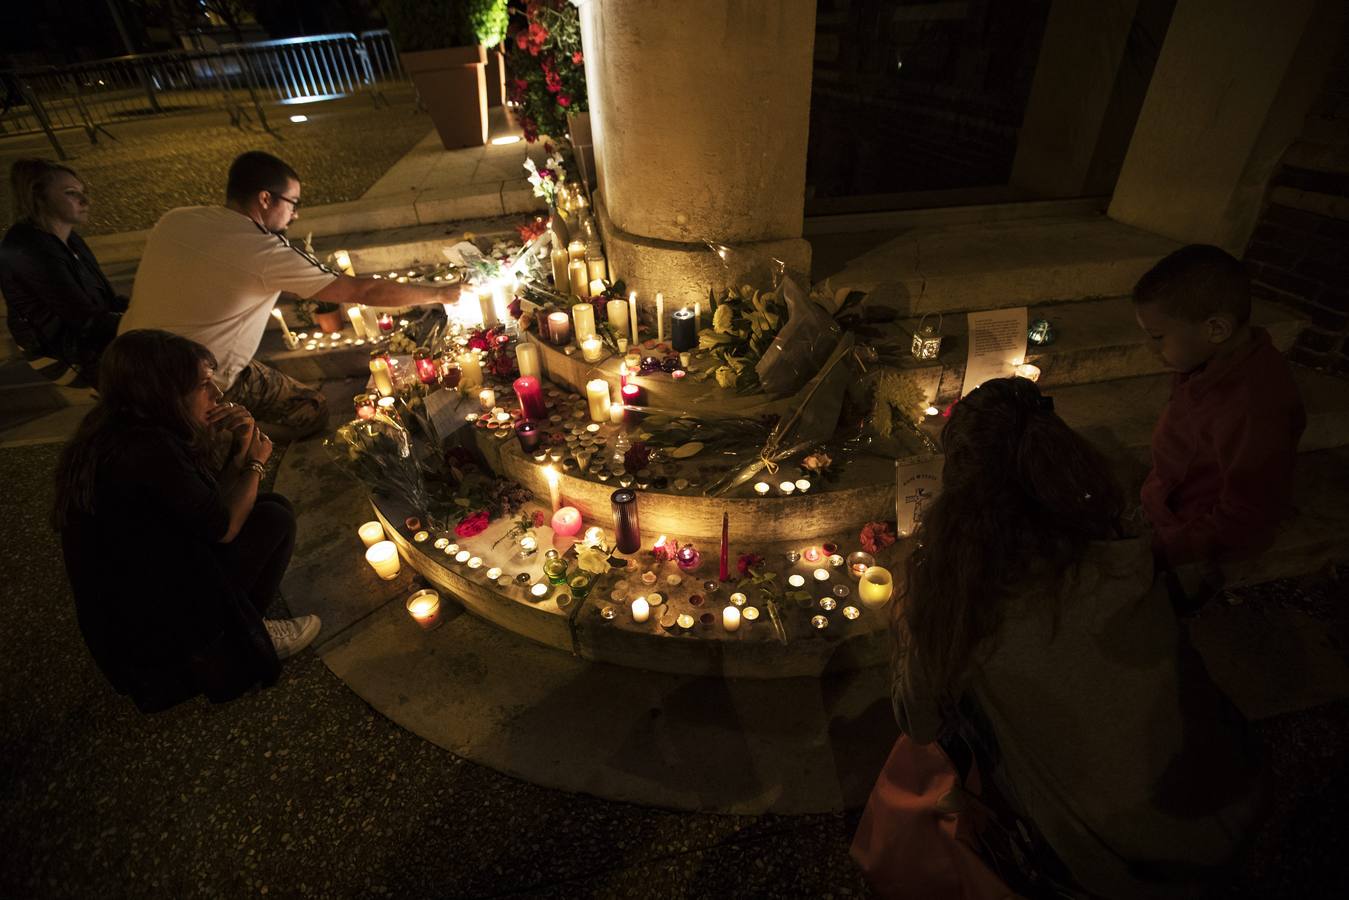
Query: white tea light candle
x=730 y=618
x=424 y=607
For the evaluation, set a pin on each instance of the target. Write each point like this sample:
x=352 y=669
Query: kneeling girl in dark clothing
x=172 y=565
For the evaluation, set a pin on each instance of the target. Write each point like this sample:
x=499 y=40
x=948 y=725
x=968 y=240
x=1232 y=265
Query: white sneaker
x=290 y=636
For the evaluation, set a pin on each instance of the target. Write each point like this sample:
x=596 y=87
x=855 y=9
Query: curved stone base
x=793 y=746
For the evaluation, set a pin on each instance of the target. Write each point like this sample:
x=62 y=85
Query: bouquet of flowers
x=547 y=67
x=547 y=180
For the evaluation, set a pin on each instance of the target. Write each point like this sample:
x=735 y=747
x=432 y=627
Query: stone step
x=1096 y=340
x=1016 y=263
x=1119 y=415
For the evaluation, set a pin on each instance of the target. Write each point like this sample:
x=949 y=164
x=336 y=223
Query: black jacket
x=162 y=616
x=59 y=302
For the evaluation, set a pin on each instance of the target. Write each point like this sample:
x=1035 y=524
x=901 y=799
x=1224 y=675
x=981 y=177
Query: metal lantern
x=1040 y=333
x=927 y=339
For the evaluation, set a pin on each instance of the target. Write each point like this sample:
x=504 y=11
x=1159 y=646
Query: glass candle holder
x=859 y=562
x=688 y=558
x=579 y=584
x=424 y=607
x=426 y=366
x=555 y=570
x=875 y=587
x=529 y=437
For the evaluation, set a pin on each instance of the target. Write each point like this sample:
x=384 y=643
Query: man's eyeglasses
x=295 y=203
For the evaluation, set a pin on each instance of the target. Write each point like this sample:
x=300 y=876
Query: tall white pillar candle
x=632 y=315
x=357 y=321
x=660 y=316
x=597 y=394
x=527 y=358
x=583 y=321
x=554 y=487
x=618 y=317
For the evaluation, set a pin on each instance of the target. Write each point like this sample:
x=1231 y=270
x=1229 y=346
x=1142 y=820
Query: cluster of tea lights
x=784 y=488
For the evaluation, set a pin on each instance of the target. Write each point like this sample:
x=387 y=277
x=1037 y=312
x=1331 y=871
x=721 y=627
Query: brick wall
x=1299 y=252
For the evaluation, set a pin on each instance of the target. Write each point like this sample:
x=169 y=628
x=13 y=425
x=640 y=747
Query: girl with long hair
x=60 y=307
x=1032 y=625
x=172 y=564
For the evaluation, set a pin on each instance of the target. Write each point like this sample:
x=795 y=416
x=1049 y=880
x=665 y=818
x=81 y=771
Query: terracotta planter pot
x=452 y=84
x=329 y=322
x=496 y=78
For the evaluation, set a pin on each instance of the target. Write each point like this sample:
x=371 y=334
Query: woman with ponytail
x=1032 y=627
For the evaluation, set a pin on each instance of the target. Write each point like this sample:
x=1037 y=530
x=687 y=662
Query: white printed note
x=916 y=486
x=997 y=345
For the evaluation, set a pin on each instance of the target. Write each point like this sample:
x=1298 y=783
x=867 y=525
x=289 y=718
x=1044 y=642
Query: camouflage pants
x=277 y=399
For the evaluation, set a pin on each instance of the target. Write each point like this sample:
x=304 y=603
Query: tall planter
x=452 y=84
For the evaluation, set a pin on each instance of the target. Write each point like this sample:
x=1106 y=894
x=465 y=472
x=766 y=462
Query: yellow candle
x=597 y=394
x=641 y=610
x=660 y=316
x=343 y=260
x=380 y=370
x=596 y=287
x=424 y=607
x=470 y=371
x=487 y=398
x=576 y=250
x=730 y=618
x=554 y=480
x=875 y=587
x=287 y=335
x=616 y=413
x=527 y=359
x=383 y=558
x=559 y=259
x=583 y=321
x=371 y=533
x=618 y=317
x=632 y=316
x=357 y=320
x=592 y=348
x=596 y=268
x=576 y=270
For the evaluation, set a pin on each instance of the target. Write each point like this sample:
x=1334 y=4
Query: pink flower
x=539 y=518
x=577 y=58
x=563 y=100
x=876 y=536
x=474 y=524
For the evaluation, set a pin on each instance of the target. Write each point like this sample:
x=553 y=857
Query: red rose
x=563 y=100
x=477 y=342
x=747 y=562
x=474 y=524
x=577 y=58
x=539 y=518
x=876 y=536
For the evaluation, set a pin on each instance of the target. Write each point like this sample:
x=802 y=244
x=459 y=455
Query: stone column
x=1234 y=82
x=699 y=112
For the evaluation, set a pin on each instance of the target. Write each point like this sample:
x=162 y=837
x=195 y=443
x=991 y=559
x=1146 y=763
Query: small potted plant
x=443 y=47
x=327 y=316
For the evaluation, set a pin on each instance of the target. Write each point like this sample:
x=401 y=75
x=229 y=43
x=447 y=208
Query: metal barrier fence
x=234 y=78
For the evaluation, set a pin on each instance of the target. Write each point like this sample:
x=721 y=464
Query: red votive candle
x=385 y=322
x=426 y=366
x=632 y=394
x=529 y=436
x=529 y=392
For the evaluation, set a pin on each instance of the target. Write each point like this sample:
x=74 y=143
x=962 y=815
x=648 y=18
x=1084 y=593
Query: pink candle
x=530 y=394
x=632 y=395
x=567 y=522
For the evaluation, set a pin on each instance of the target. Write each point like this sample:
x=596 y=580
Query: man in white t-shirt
x=213 y=273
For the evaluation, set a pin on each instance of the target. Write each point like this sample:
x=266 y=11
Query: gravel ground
x=157 y=164
x=304 y=790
